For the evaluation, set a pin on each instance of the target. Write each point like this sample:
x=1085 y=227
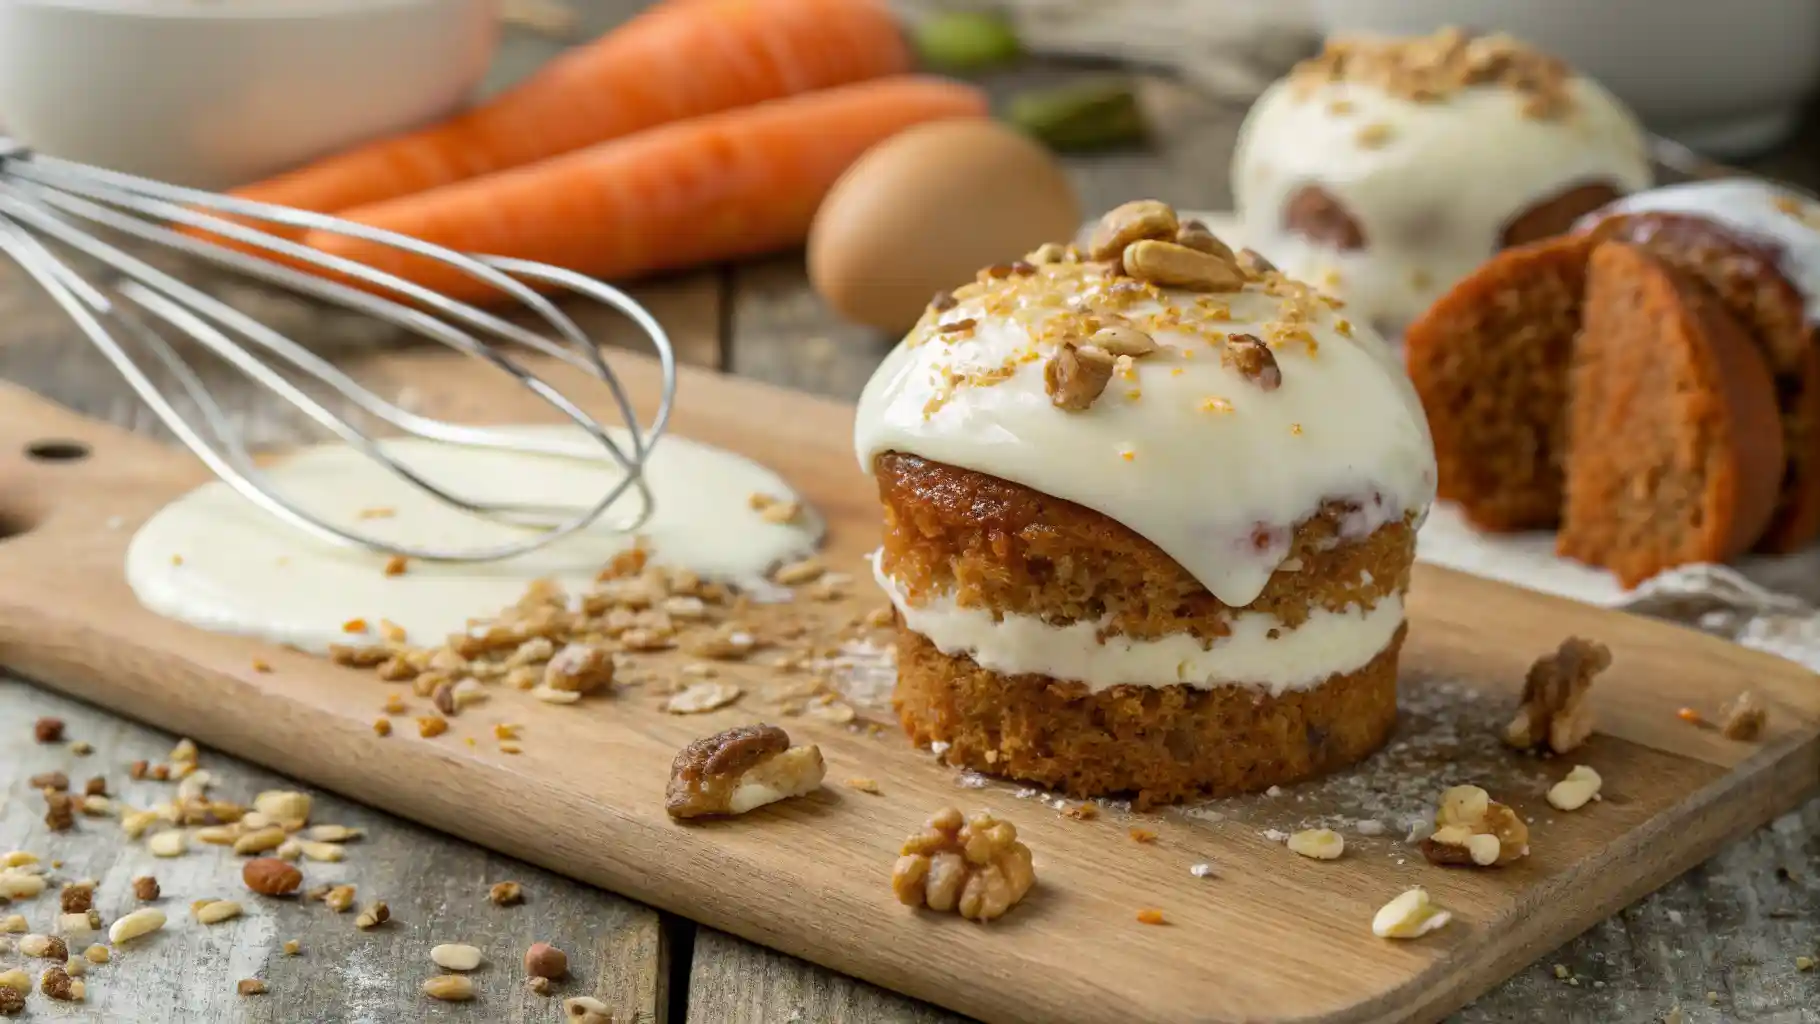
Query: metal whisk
x=43 y=198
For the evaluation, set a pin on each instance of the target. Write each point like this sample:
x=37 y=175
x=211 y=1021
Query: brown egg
x=927 y=209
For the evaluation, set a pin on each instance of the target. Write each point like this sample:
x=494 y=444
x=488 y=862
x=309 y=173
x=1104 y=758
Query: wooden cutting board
x=1268 y=936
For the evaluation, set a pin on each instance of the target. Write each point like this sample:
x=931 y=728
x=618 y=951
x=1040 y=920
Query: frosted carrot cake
x=1150 y=510
x=1387 y=169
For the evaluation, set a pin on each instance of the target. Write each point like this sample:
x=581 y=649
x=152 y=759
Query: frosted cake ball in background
x=1385 y=170
x=1150 y=510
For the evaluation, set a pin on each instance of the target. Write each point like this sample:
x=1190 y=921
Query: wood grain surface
x=808 y=877
x=1718 y=944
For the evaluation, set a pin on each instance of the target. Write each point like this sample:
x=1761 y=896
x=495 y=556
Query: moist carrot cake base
x=1159 y=744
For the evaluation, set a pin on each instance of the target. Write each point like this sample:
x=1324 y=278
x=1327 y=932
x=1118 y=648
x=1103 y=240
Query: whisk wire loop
x=45 y=198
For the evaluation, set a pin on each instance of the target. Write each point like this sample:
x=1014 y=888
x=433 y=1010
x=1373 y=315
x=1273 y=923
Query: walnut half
x=1557 y=710
x=733 y=772
x=974 y=866
x=1472 y=829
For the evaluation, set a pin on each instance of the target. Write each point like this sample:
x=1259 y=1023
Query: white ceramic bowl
x=217 y=93
x=1725 y=76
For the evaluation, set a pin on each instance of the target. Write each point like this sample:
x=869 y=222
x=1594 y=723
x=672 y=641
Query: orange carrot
x=677 y=61
x=730 y=184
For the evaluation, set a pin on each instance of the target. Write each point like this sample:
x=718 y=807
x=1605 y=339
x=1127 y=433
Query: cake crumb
x=396 y=565
x=1141 y=835
x=292 y=947
x=1082 y=811
x=250 y=987
x=1150 y=915
x=506 y=894
x=864 y=785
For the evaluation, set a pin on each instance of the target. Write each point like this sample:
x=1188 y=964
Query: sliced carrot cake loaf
x=1150 y=510
x=1493 y=359
x=1387 y=169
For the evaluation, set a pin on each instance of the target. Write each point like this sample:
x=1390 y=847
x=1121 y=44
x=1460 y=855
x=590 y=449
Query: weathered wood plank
x=435 y=885
x=735 y=982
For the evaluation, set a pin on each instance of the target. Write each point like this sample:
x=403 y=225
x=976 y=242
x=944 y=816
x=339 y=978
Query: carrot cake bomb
x=1385 y=170
x=1150 y=510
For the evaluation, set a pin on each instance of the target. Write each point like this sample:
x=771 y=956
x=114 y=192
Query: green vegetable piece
x=965 y=41
x=1084 y=116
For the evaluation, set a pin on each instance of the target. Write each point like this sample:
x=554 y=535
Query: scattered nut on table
x=269 y=876
x=1473 y=829
x=452 y=988
x=975 y=866
x=586 y=1010
x=743 y=768
x=543 y=960
x=1318 y=843
x=1579 y=788
x=1556 y=711
x=1409 y=916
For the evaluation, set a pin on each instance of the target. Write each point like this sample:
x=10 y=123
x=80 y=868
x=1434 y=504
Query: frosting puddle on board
x=214 y=560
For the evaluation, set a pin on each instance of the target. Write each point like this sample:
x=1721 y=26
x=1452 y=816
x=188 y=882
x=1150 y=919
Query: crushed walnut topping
x=1472 y=829
x=975 y=866
x=1076 y=375
x=1556 y=711
x=743 y=768
x=1432 y=68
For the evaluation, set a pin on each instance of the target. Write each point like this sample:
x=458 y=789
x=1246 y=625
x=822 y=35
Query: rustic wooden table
x=1720 y=943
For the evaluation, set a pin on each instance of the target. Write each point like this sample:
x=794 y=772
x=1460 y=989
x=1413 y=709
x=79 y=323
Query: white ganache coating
x=1182 y=448
x=1260 y=651
x=1431 y=185
x=1756 y=212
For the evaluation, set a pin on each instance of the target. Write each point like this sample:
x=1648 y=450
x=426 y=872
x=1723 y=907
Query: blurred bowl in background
x=218 y=93
x=1727 y=78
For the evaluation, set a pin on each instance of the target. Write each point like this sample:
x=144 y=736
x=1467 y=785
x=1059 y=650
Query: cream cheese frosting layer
x=1183 y=447
x=1757 y=211
x=1303 y=658
x=1432 y=185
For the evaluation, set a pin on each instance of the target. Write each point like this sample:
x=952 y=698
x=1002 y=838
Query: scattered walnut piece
x=975 y=866
x=145 y=888
x=1556 y=712
x=1473 y=829
x=56 y=781
x=1742 y=719
x=1318 y=843
x=292 y=947
x=1579 y=788
x=579 y=668
x=59 y=811
x=48 y=730
x=1253 y=359
x=734 y=771
x=12 y=1001
x=76 y=898
x=56 y=983
x=506 y=894
x=96 y=786
x=1076 y=375
x=1409 y=916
